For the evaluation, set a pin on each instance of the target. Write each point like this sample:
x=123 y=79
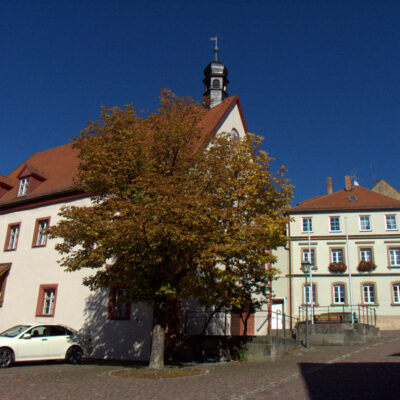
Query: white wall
x=322 y=240
x=76 y=306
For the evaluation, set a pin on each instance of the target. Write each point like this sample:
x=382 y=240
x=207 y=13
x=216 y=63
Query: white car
x=39 y=342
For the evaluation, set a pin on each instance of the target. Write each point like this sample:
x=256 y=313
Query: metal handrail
x=364 y=314
x=274 y=323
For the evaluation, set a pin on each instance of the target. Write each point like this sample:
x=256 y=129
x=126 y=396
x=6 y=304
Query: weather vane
x=215 y=38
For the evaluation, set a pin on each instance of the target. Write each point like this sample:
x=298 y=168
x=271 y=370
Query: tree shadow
x=117 y=339
x=352 y=380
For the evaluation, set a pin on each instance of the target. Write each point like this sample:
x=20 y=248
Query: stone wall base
x=226 y=348
x=336 y=334
x=388 y=322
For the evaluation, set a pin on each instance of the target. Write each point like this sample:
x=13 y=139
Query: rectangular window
x=4 y=270
x=391 y=222
x=23 y=186
x=40 y=235
x=366 y=254
x=308 y=256
x=337 y=255
x=307 y=294
x=369 y=293
x=118 y=307
x=334 y=224
x=12 y=237
x=396 y=293
x=307 y=224
x=394 y=256
x=46 y=304
x=365 y=223
x=338 y=294
x=49 y=301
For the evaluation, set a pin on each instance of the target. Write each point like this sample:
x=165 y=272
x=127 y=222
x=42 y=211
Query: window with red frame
x=46 y=304
x=118 y=307
x=40 y=234
x=4 y=270
x=12 y=237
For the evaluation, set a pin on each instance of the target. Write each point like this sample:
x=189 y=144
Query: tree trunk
x=158 y=335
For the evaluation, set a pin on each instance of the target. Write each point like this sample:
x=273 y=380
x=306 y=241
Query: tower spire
x=215 y=38
x=215 y=80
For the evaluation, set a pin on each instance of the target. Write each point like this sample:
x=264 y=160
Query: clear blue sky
x=318 y=79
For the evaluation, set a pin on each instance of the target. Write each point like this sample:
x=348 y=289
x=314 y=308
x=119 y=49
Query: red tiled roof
x=7 y=182
x=213 y=119
x=366 y=199
x=59 y=165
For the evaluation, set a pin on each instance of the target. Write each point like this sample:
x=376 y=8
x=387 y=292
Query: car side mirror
x=27 y=336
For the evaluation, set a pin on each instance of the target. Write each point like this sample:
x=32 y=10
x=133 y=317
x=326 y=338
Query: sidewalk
x=369 y=371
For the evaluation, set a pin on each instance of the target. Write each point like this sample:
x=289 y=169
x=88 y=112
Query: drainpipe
x=311 y=286
x=349 y=267
x=290 y=280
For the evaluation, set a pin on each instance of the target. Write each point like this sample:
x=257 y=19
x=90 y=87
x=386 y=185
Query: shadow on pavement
x=352 y=380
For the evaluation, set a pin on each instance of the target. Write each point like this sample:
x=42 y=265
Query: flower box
x=337 y=267
x=366 y=266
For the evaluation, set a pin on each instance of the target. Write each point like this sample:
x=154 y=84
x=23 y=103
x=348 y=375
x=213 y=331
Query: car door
x=58 y=340
x=35 y=346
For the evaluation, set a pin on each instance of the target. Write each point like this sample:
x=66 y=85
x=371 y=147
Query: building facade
x=34 y=288
x=351 y=238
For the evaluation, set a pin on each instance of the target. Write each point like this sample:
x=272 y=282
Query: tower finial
x=215 y=38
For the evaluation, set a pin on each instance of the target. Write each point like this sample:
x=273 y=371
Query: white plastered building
x=33 y=287
x=354 y=228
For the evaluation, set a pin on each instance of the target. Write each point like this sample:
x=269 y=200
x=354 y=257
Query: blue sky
x=318 y=79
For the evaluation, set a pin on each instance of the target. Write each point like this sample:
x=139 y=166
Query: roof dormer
x=6 y=184
x=29 y=179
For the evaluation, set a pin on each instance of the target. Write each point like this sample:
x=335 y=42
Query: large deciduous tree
x=168 y=222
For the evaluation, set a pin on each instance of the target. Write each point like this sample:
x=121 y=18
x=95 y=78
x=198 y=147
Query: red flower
x=337 y=267
x=366 y=266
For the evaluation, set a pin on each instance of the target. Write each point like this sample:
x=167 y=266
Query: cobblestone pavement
x=369 y=371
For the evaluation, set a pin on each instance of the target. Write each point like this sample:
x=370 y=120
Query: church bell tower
x=215 y=80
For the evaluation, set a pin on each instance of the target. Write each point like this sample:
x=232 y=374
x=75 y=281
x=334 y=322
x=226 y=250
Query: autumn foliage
x=167 y=222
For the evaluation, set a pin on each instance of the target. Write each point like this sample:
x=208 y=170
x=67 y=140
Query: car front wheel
x=6 y=357
x=74 y=355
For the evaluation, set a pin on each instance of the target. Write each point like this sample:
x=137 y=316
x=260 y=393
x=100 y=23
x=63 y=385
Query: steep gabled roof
x=358 y=198
x=59 y=165
x=214 y=118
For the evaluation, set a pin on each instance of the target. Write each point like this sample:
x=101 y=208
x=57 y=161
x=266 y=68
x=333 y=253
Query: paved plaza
x=369 y=371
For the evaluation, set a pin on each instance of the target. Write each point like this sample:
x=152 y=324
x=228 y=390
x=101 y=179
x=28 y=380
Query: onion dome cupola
x=215 y=80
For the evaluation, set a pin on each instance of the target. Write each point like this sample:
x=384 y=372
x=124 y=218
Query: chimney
x=347 y=180
x=329 y=184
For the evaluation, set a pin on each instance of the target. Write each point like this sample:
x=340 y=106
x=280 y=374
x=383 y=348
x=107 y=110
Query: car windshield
x=14 y=331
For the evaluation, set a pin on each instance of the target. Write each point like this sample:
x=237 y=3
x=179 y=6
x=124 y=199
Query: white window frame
x=391 y=226
x=334 y=222
x=365 y=254
x=335 y=258
x=307 y=294
x=306 y=256
x=13 y=237
x=339 y=293
x=49 y=300
x=369 y=295
x=396 y=293
x=394 y=256
x=41 y=233
x=23 y=186
x=306 y=224
x=365 y=223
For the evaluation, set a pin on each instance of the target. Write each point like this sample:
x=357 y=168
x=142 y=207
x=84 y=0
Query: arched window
x=234 y=133
x=215 y=84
